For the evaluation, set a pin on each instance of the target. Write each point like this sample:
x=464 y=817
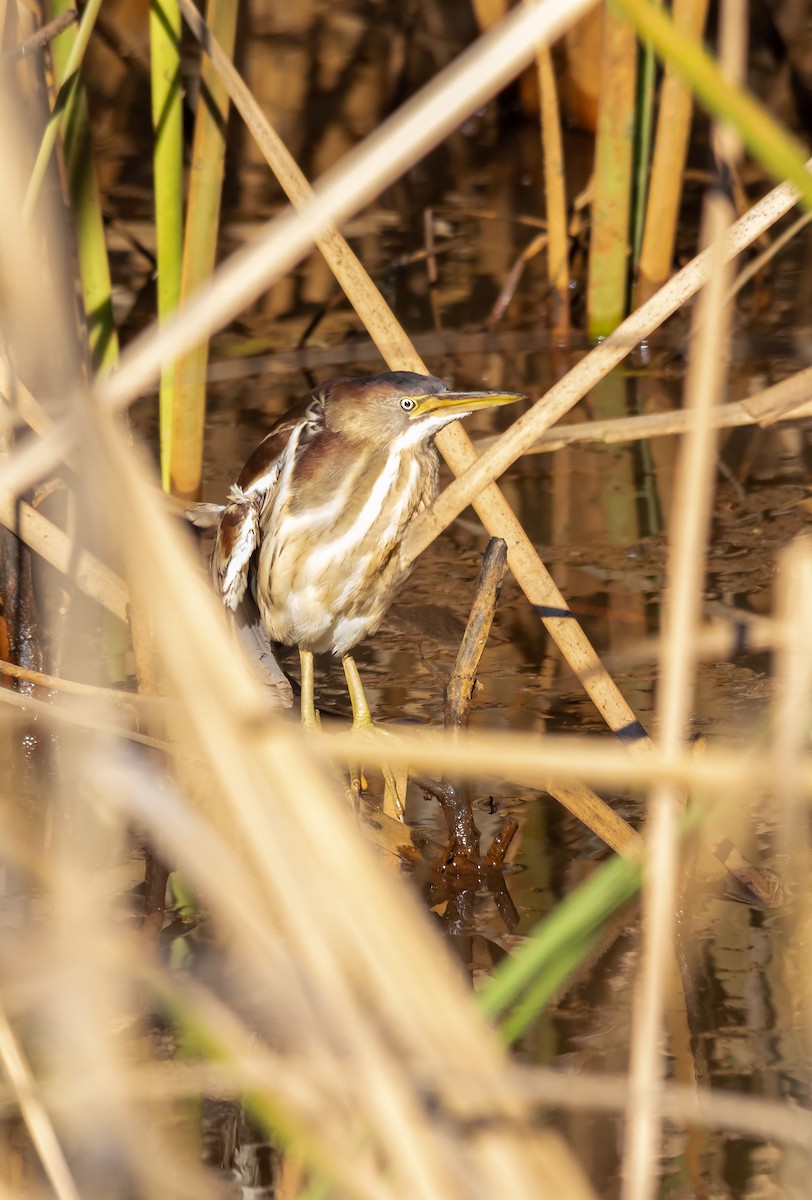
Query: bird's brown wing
x=238 y=531
x=237 y=539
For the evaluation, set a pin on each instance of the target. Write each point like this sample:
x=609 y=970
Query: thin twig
x=42 y=37
x=72 y=687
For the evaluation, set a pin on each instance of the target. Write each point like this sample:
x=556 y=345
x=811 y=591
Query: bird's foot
x=394 y=789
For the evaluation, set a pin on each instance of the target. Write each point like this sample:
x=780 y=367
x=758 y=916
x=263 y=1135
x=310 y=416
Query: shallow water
x=599 y=517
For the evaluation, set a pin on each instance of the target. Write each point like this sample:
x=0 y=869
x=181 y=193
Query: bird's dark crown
x=369 y=408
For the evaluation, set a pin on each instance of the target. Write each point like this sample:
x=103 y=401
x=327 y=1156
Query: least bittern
x=313 y=525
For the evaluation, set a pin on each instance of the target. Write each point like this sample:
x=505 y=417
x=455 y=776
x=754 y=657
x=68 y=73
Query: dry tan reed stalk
x=668 y=163
x=776 y=245
x=790 y=742
x=563 y=395
x=79 y=717
x=524 y=758
x=15 y=393
x=597 y=815
x=57 y=683
x=784 y=401
x=249 y=1066
x=690 y=525
x=555 y=194
x=763 y=1119
x=394 y=345
x=35 y=1115
x=388 y=1001
x=90 y=575
x=518 y=758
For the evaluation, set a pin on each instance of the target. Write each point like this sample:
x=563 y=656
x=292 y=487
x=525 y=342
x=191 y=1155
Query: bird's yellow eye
x=407 y=404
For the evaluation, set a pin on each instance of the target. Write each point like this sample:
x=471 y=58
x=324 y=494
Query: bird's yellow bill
x=451 y=402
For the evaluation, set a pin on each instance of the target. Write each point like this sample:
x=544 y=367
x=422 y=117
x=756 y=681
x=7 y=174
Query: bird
x=311 y=531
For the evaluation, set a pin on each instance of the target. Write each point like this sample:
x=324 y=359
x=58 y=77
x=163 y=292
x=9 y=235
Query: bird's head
x=384 y=407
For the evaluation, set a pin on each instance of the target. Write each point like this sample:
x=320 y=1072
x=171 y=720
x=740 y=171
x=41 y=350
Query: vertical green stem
x=91 y=246
x=167 y=121
x=77 y=40
x=642 y=147
x=199 y=250
x=609 y=250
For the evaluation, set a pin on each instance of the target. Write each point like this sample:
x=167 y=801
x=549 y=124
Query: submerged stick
x=463 y=677
x=454 y=795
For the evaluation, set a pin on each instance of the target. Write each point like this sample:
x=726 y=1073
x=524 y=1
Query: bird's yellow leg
x=310 y=718
x=362 y=720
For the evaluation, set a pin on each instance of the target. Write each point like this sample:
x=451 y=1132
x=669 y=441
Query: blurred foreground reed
x=312 y=992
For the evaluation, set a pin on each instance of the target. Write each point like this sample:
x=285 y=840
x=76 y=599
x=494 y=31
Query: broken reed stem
x=690 y=525
x=454 y=795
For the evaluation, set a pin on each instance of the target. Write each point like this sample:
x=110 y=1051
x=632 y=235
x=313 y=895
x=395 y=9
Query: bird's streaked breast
x=328 y=563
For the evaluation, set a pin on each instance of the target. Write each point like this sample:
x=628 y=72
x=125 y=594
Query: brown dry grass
x=333 y=1007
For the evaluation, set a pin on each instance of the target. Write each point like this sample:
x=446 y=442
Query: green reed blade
x=778 y=152
x=558 y=944
x=88 y=222
x=642 y=148
x=81 y=37
x=167 y=122
x=607 y=285
x=199 y=251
